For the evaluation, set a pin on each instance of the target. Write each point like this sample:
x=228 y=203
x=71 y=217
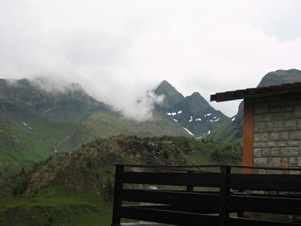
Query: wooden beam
x=248 y=135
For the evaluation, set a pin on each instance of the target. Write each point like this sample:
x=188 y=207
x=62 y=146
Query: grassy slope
x=56 y=206
x=225 y=132
x=80 y=184
x=18 y=148
x=105 y=125
x=21 y=147
x=44 y=134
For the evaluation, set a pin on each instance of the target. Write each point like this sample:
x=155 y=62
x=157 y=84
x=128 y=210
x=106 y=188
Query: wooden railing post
x=117 y=195
x=189 y=188
x=224 y=195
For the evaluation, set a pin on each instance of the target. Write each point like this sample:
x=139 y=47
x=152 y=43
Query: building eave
x=257 y=92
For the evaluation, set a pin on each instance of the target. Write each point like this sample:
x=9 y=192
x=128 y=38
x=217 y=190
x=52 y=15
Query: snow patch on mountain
x=174 y=113
x=48 y=110
x=26 y=125
x=188 y=131
x=171 y=113
x=215 y=119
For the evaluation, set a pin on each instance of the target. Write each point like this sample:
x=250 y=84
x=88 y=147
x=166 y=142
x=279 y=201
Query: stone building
x=272 y=125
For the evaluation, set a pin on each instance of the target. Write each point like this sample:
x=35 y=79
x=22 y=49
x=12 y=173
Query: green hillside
x=105 y=125
x=18 y=147
x=35 y=123
x=77 y=188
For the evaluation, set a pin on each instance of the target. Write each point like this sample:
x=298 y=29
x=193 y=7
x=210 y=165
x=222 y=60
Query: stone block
x=258 y=118
x=289 y=151
x=293 y=161
x=261 y=171
x=269 y=127
x=257 y=152
x=275 y=152
x=259 y=127
x=282 y=144
x=261 y=108
x=273 y=172
x=284 y=136
x=298 y=99
x=275 y=109
x=261 y=162
x=278 y=126
x=299 y=161
x=260 y=144
x=289 y=116
x=266 y=152
x=275 y=136
x=266 y=117
x=299 y=124
x=276 y=117
x=276 y=162
x=295 y=135
x=271 y=144
x=257 y=137
x=293 y=143
x=298 y=111
x=284 y=162
x=295 y=172
x=290 y=125
x=289 y=109
x=265 y=137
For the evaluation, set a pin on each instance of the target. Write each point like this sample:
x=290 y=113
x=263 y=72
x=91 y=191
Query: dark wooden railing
x=206 y=195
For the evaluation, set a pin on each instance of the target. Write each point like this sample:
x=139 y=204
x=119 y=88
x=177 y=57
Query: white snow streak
x=188 y=131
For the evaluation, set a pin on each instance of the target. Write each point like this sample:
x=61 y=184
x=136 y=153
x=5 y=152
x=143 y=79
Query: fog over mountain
x=117 y=50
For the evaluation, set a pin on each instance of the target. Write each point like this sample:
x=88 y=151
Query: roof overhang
x=257 y=92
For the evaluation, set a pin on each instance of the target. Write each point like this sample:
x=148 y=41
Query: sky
x=119 y=49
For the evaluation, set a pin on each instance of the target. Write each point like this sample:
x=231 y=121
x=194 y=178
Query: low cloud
x=142 y=109
x=119 y=49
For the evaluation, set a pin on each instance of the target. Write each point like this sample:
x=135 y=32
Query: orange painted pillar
x=248 y=135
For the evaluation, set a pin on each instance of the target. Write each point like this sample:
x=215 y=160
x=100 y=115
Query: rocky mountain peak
x=171 y=95
x=280 y=77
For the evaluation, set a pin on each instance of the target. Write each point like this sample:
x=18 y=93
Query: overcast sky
x=119 y=49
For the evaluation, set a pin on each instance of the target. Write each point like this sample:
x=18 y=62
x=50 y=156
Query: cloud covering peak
x=119 y=49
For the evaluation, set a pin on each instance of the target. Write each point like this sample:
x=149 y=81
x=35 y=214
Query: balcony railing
x=207 y=195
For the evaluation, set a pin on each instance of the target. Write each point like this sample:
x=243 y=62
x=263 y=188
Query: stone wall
x=277 y=131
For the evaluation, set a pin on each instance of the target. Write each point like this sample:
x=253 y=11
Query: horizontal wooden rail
x=188 y=201
x=172 y=178
x=168 y=217
x=256 y=222
x=267 y=182
x=264 y=204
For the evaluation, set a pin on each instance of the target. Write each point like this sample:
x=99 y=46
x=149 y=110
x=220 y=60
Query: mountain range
x=36 y=122
x=58 y=149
